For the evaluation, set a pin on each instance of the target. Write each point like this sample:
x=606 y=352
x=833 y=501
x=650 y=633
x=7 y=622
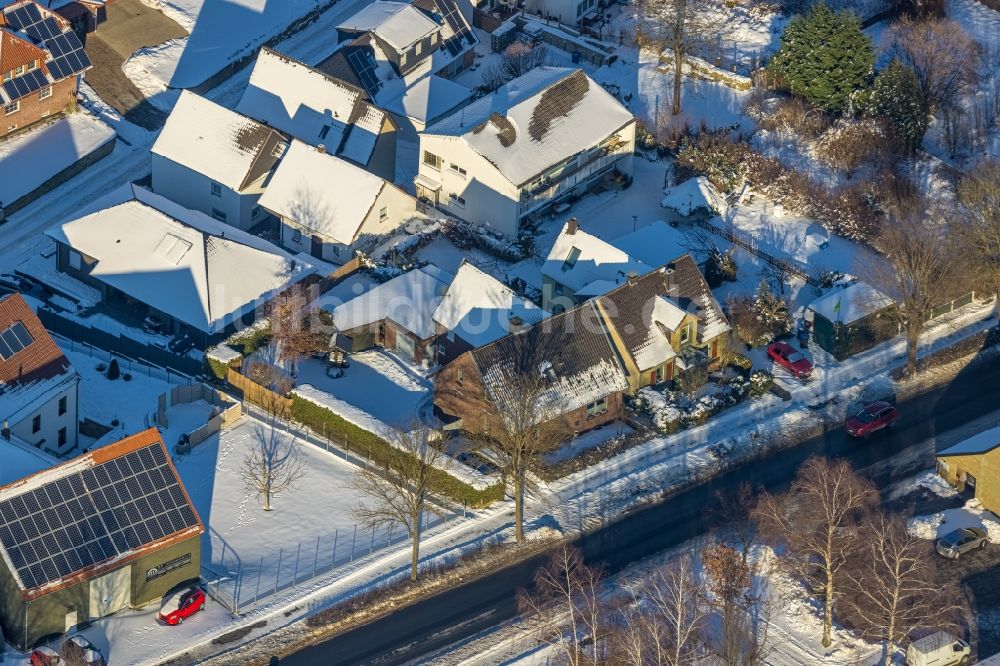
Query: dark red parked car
x=872 y=418
x=790 y=359
x=182 y=605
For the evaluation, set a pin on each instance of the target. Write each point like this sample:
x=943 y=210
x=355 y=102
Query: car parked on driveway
x=181 y=605
x=871 y=419
x=960 y=541
x=790 y=359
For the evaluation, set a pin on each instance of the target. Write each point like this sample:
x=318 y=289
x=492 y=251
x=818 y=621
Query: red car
x=872 y=418
x=790 y=359
x=182 y=605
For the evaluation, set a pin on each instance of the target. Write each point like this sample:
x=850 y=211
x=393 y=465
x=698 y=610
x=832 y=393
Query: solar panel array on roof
x=14 y=339
x=26 y=84
x=29 y=19
x=364 y=67
x=93 y=515
x=449 y=10
x=68 y=56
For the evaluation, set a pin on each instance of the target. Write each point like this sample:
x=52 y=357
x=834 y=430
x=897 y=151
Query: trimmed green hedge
x=361 y=441
x=217 y=368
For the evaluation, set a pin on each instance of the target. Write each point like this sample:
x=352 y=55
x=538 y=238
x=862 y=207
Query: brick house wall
x=33 y=109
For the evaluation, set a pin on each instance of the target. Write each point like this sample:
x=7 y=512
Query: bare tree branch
x=272 y=465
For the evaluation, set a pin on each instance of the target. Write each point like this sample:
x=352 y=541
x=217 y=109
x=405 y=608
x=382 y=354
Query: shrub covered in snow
x=722 y=160
x=761 y=382
x=671 y=411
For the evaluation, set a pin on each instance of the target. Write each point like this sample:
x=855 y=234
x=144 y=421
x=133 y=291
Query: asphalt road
x=468 y=609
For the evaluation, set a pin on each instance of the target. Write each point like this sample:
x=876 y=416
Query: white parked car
x=938 y=649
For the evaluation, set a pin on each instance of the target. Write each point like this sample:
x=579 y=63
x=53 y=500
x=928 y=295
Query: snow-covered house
x=538 y=141
x=567 y=12
x=210 y=159
x=41 y=64
x=567 y=362
x=320 y=110
x=424 y=103
x=38 y=385
x=329 y=207
x=396 y=315
x=149 y=256
x=654 y=244
x=108 y=530
x=973 y=467
x=478 y=309
x=848 y=320
x=666 y=325
x=580 y=266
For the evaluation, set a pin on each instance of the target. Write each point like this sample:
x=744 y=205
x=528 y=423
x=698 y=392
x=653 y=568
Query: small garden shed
x=847 y=321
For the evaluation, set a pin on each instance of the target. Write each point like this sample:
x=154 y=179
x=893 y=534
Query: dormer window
x=571 y=258
x=686 y=334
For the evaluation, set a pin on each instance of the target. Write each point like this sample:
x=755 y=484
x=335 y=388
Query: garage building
x=111 y=529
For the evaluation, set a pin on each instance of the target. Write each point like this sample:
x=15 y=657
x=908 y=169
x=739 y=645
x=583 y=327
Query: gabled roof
x=220 y=144
x=92 y=514
x=29 y=32
x=408 y=300
x=586 y=264
x=322 y=192
x=571 y=351
x=478 y=308
x=398 y=24
x=181 y=262
x=851 y=304
x=654 y=244
x=429 y=98
x=537 y=120
x=983 y=442
x=312 y=106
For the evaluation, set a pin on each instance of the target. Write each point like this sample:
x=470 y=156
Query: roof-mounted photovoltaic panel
x=93 y=515
x=364 y=65
x=29 y=19
x=26 y=84
x=68 y=56
x=14 y=339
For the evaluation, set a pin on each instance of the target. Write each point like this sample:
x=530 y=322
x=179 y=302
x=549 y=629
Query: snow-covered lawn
x=32 y=157
x=588 y=440
x=938 y=524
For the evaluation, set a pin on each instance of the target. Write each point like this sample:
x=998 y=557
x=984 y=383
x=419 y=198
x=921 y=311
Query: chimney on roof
x=632 y=276
x=321 y=149
x=515 y=324
x=572 y=225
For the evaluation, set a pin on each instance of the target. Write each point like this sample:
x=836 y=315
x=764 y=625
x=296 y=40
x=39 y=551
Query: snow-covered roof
x=654 y=245
x=321 y=192
x=181 y=262
x=851 y=304
x=311 y=106
x=479 y=308
x=399 y=24
x=691 y=195
x=430 y=98
x=409 y=300
x=981 y=443
x=220 y=144
x=586 y=264
x=537 y=120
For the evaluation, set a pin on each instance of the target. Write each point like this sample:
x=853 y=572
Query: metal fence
x=143 y=353
x=749 y=243
x=240 y=585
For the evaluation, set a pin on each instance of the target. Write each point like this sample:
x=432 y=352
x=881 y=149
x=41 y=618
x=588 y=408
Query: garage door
x=111 y=592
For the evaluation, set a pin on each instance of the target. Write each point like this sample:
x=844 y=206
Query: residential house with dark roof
x=540 y=140
x=320 y=110
x=568 y=363
x=108 y=530
x=41 y=63
x=38 y=385
x=210 y=159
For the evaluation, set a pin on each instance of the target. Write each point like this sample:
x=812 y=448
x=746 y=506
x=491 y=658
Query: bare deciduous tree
x=517 y=59
x=401 y=491
x=681 y=26
x=944 y=58
x=979 y=195
x=744 y=610
x=295 y=331
x=817 y=521
x=895 y=589
x=567 y=603
x=664 y=619
x=272 y=465
x=922 y=270
x=737 y=509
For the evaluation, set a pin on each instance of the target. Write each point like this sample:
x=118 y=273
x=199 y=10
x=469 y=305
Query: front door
x=317 y=247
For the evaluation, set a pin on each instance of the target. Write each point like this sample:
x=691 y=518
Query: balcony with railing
x=551 y=190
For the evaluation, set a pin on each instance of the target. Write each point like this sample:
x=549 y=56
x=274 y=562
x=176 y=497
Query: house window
x=62 y=436
x=459 y=376
x=12 y=108
x=219 y=215
x=62 y=405
x=216 y=190
x=451 y=336
x=454 y=168
x=432 y=160
x=255 y=212
x=383 y=213
x=33 y=65
x=456 y=200
x=19 y=70
x=45 y=92
x=324 y=131
x=571 y=258
x=597 y=408
x=658 y=375
x=36 y=424
x=686 y=334
x=75 y=260
x=296 y=236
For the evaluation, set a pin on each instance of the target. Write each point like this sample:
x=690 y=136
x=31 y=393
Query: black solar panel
x=90 y=516
x=364 y=66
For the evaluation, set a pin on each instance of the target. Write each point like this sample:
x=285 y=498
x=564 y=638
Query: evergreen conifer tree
x=896 y=95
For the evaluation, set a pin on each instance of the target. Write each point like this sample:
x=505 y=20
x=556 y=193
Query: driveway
x=130 y=26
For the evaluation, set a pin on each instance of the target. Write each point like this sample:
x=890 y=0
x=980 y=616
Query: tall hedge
x=366 y=443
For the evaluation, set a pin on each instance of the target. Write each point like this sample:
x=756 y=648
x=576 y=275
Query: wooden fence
x=256 y=394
